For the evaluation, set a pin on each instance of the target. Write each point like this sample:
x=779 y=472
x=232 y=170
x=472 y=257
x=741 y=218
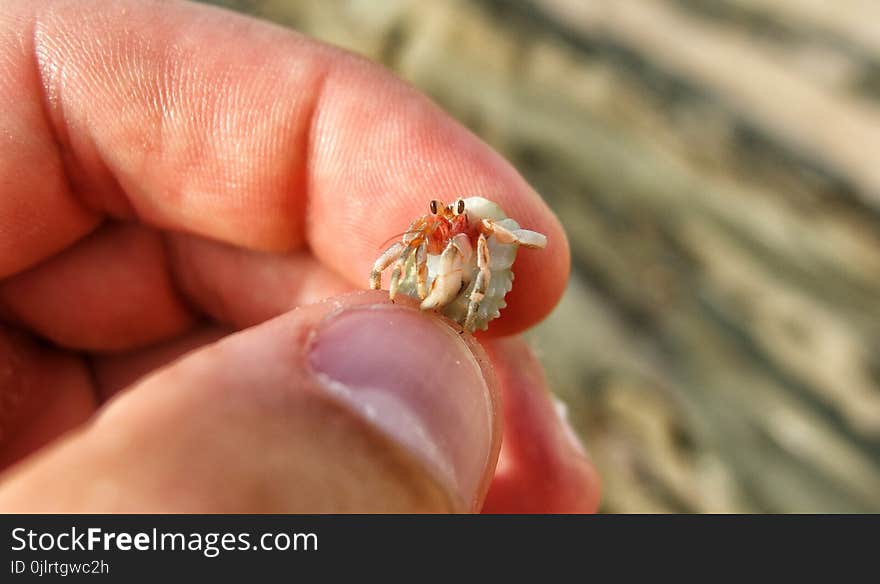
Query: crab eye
x=434 y=206
x=459 y=207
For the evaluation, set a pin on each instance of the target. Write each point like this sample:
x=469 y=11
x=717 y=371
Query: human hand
x=171 y=174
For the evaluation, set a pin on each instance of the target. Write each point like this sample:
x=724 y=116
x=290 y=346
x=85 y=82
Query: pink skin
x=247 y=137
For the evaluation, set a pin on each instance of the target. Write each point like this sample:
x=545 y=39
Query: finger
x=242 y=287
x=43 y=393
x=110 y=291
x=263 y=140
x=347 y=405
x=543 y=468
x=117 y=290
x=38 y=215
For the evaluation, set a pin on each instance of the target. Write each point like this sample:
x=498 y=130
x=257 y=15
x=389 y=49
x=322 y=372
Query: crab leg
x=481 y=284
x=422 y=269
x=522 y=237
x=448 y=280
x=397 y=272
x=390 y=254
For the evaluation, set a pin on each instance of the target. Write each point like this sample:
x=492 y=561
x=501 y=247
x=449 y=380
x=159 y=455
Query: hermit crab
x=457 y=260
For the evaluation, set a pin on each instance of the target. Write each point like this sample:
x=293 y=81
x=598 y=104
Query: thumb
x=351 y=405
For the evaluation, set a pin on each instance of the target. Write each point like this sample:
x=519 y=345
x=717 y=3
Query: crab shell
x=501 y=257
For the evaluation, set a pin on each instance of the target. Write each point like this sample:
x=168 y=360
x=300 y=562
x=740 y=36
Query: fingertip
x=543 y=467
x=420 y=382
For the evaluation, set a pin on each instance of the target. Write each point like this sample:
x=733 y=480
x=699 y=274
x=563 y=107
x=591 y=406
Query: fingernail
x=417 y=381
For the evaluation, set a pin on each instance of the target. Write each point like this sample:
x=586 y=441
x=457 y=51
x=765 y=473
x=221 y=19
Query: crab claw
x=447 y=283
x=531 y=239
x=443 y=290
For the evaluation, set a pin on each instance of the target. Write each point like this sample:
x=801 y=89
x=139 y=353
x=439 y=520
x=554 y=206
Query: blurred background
x=717 y=166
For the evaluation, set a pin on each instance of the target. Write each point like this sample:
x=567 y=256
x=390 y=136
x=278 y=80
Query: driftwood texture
x=717 y=166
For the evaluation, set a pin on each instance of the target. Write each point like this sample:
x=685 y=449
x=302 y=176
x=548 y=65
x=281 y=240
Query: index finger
x=191 y=118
